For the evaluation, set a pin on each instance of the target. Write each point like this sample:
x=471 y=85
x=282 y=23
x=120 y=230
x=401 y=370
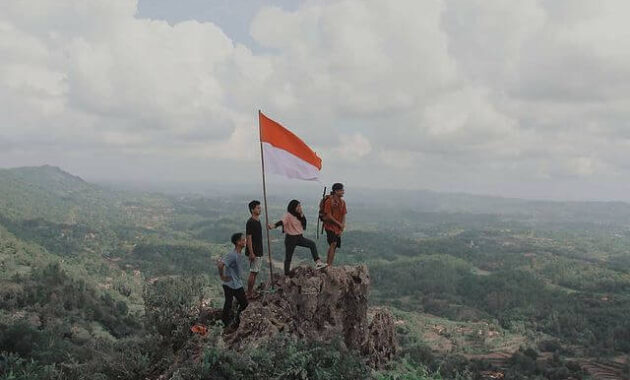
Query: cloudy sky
x=526 y=98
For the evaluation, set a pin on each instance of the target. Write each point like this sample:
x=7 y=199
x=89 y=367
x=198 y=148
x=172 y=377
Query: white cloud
x=359 y=57
x=92 y=71
x=446 y=94
x=352 y=147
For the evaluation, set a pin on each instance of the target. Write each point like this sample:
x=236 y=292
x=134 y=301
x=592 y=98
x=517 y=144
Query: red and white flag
x=285 y=154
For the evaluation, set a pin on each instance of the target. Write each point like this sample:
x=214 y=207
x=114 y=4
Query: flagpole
x=262 y=160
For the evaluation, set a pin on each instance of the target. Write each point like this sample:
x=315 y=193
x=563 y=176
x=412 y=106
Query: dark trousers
x=292 y=241
x=230 y=294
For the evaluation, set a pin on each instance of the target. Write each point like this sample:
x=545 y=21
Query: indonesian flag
x=285 y=154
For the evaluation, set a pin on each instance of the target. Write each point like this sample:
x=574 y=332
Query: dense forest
x=99 y=283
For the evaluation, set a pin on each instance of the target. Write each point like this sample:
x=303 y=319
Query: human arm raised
x=275 y=225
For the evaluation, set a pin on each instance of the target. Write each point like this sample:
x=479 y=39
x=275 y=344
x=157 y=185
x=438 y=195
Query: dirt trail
x=598 y=370
x=497 y=359
x=604 y=371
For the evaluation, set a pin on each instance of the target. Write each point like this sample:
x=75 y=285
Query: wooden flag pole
x=262 y=160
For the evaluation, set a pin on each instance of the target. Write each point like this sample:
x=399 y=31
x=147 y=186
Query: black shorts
x=333 y=237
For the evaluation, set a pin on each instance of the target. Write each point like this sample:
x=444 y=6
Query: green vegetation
x=104 y=284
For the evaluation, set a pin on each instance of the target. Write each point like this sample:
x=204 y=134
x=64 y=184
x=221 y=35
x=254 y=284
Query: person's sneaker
x=320 y=265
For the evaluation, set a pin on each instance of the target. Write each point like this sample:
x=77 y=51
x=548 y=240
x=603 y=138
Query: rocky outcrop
x=319 y=305
x=380 y=346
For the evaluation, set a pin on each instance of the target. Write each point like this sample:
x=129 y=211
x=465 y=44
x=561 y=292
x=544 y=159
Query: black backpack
x=322 y=213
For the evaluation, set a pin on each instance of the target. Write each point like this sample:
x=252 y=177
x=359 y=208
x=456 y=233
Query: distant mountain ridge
x=45 y=175
x=31 y=192
x=599 y=212
x=49 y=193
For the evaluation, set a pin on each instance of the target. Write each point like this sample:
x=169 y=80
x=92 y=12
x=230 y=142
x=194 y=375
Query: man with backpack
x=230 y=273
x=333 y=214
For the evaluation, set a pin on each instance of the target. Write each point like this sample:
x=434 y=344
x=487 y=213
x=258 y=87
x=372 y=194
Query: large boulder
x=319 y=305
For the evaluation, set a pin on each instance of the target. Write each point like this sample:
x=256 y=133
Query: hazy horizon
x=281 y=187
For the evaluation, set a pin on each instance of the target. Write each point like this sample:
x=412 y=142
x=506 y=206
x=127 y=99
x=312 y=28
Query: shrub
x=171 y=307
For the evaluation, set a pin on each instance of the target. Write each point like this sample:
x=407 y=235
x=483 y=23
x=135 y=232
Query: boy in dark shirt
x=253 y=231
